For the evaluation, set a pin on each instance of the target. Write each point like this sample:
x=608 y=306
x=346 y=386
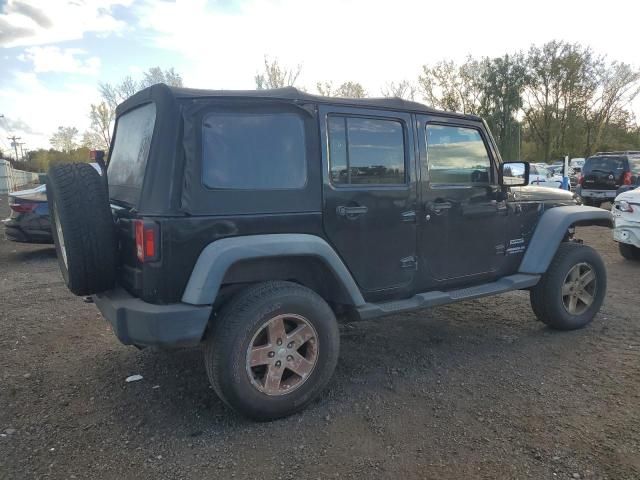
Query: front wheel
x=572 y=290
x=272 y=349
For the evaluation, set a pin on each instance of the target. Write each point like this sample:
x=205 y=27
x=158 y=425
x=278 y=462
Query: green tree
x=503 y=80
x=560 y=82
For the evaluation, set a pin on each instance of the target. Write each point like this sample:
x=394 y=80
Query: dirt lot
x=475 y=390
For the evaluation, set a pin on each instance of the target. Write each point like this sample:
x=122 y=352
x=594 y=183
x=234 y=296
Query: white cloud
x=373 y=41
x=33 y=22
x=34 y=111
x=55 y=59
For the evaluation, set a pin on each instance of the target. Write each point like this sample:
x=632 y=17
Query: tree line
x=552 y=100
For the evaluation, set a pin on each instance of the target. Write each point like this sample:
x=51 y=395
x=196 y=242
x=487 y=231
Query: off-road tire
x=630 y=252
x=79 y=208
x=546 y=296
x=234 y=327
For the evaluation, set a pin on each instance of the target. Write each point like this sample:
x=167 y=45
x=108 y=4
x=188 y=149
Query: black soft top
x=161 y=93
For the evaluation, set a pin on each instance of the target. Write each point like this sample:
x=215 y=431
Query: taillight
x=23 y=207
x=580 y=179
x=147 y=240
x=626 y=178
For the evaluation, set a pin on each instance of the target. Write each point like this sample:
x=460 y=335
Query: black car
x=29 y=219
x=250 y=221
x=606 y=174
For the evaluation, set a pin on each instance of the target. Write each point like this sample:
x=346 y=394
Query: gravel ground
x=475 y=390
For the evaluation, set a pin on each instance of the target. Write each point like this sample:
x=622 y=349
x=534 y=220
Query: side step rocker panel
x=432 y=299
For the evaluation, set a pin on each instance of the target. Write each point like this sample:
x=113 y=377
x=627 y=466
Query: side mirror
x=514 y=174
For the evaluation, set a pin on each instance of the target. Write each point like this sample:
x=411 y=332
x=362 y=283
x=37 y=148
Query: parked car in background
x=543 y=176
x=626 y=216
x=604 y=173
x=577 y=164
x=29 y=220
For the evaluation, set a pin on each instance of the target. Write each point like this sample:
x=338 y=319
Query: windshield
x=130 y=152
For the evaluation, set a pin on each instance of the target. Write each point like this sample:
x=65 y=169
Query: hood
x=631 y=196
x=534 y=192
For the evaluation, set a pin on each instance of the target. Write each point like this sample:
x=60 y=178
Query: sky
x=53 y=53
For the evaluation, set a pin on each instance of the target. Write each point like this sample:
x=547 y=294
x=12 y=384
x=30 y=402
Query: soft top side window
x=253 y=150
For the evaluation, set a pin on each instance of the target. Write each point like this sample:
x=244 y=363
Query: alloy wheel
x=282 y=354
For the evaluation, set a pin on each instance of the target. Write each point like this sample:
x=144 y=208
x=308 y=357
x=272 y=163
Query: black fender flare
x=551 y=230
x=217 y=257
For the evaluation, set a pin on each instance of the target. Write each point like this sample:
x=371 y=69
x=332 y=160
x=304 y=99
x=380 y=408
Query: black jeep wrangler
x=249 y=220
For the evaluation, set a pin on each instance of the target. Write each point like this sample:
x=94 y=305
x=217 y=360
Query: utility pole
x=15 y=144
x=21 y=150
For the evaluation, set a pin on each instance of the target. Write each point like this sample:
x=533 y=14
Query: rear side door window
x=368 y=151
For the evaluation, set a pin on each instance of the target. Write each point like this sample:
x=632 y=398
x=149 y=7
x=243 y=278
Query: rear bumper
x=19 y=232
x=136 y=322
x=593 y=193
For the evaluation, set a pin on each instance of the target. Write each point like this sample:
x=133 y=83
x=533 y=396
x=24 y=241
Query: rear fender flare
x=551 y=230
x=217 y=257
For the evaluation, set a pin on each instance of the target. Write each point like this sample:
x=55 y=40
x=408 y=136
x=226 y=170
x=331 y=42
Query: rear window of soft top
x=128 y=161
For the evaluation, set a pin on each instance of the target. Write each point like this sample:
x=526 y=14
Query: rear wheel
x=630 y=252
x=572 y=290
x=272 y=349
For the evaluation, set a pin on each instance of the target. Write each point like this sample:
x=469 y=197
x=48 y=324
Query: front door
x=370 y=196
x=463 y=216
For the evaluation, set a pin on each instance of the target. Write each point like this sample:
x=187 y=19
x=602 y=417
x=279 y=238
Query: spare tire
x=82 y=227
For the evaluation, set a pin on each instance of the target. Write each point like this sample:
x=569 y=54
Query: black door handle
x=351 y=212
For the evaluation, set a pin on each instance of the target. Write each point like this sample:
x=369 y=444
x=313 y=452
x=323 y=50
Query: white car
x=541 y=175
x=577 y=163
x=626 y=216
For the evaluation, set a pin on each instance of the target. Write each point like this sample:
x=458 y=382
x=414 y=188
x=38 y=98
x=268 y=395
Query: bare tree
x=103 y=114
x=157 y=75
x=99 y=133
x=618 y=86
x=403 y=89
x=64 y=139
x=457 y=88
x=346 y=90
x=276 y=75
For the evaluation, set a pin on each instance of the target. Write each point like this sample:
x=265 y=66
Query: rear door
x=462 y=223
x=370 y=196
x=603 y=173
